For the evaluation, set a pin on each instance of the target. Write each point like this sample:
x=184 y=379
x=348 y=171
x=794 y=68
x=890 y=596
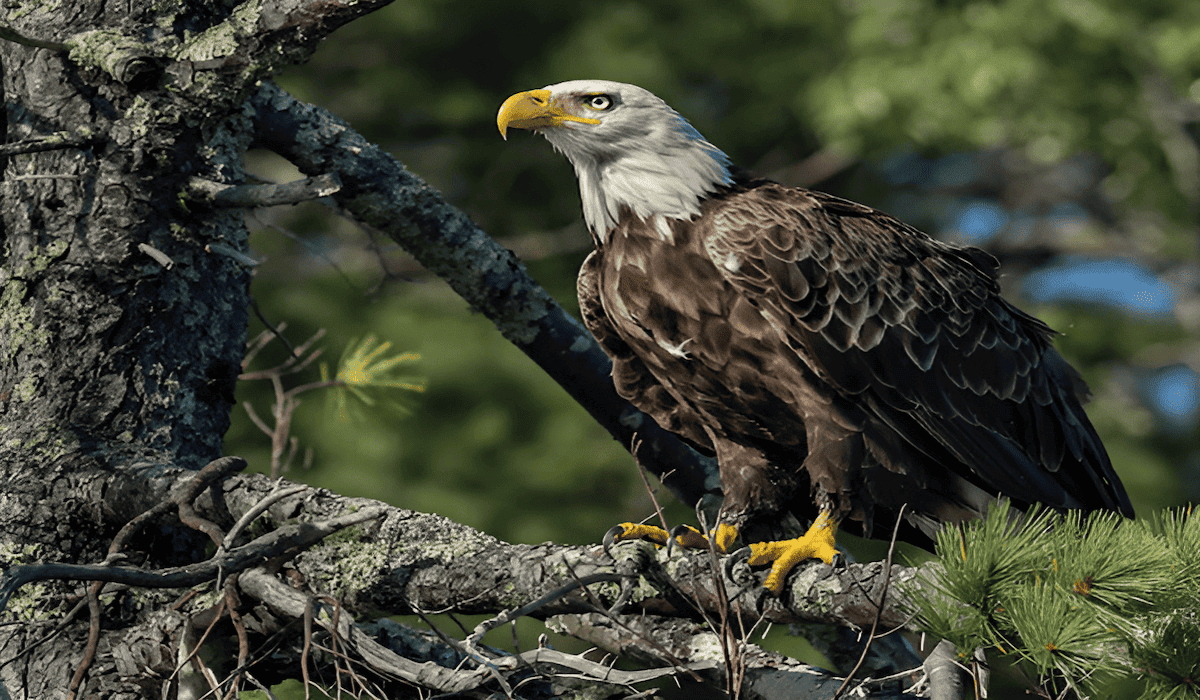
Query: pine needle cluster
x=370 y=379
x=1076 y=599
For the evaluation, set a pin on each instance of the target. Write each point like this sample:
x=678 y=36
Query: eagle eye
x=600 y=103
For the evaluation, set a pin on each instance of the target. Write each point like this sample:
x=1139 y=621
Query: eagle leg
x=785 y=555
x=684 y=536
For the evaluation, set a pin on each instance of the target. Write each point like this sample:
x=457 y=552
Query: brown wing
x=915 y=331
x=633 y=380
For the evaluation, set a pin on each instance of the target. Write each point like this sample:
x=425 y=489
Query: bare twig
x=50 y=142
x=290 y=537
x=12 y=35
x=634 y=445
x=296 y=362
x=286 y=401
x=89 y=650
x=222 y=249
x=269 y=500
x=887 y=577
x=157 y=255
x=509 y=615
x=259 y=422
x=220 y=194
x=263 y=339
x=231 y=605
x=306 y=651
x=731 y=644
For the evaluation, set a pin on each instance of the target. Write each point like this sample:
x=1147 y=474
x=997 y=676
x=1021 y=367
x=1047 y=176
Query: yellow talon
x=684 y=536
x=784 y=555
x=724 y=536
x=636 y=531
x=689 y=537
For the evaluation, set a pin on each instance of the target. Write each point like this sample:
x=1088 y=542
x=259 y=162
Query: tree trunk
x=122 y=329
x=122 y=335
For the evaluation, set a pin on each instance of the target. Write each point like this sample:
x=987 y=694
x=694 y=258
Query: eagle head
x=630 y=150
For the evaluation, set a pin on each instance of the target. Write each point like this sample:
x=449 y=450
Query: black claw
x=738 y=556
x=676 y=532
x=610 y=538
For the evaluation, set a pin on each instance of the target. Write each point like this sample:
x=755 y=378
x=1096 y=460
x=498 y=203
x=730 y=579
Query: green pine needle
x=1167 y=655
x=1059 y=633
x=370 y=379
x=1077 y=598
x=984 y=558
x=963 y=626
x=1179 y=531
x=1109 y=561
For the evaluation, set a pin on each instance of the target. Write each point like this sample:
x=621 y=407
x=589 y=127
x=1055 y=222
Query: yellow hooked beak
x=534 y=110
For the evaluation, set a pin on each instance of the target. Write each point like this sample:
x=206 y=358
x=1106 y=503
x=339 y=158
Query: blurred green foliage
x=492 y=442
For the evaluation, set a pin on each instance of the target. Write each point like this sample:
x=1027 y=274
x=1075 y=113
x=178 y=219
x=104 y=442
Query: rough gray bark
x=948 y=680
x=123 y=303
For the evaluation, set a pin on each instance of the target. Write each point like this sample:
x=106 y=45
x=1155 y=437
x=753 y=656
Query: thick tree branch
x=381 y=193
x=405 y=562
x=408 y=562
x=679 y=648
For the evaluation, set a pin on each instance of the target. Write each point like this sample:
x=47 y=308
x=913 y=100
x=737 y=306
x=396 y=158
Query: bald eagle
x=826 y=353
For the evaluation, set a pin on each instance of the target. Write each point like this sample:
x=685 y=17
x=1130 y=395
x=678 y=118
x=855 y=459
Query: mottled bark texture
x=121 y=334
x=122 y=320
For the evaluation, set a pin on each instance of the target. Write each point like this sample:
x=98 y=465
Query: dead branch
x=220 y=194
x=947 y=679
x=695 y=646
x=290 y=538
x=879 y=607
x=286 y=402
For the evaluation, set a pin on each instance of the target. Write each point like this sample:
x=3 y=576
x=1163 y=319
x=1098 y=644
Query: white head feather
x=642 y=155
